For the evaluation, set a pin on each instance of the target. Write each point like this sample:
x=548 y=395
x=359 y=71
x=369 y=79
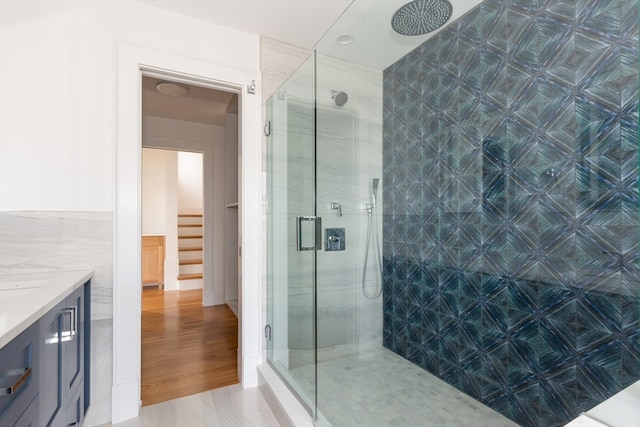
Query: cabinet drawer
x=19 y=381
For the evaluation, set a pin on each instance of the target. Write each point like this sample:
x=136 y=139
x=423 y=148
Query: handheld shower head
x=376 y=181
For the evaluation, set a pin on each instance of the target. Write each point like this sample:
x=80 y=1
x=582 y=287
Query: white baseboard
x=125 y=401
x=250 y=371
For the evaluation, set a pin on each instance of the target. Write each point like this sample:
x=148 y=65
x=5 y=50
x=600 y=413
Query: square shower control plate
x=334 y=239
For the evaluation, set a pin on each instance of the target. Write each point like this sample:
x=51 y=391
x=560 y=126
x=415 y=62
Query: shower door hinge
x=267 y=332
x=267 y=128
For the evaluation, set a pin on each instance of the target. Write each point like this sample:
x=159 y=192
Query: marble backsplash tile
x=50 y=241
x=101 y=373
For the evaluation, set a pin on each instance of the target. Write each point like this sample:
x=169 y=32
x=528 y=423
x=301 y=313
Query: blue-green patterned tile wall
x=511 y=216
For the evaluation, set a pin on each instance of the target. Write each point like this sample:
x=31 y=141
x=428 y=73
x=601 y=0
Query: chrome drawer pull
x=68 y=335
x=24 y=375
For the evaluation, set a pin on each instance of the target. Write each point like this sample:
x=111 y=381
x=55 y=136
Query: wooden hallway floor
x=186 y=348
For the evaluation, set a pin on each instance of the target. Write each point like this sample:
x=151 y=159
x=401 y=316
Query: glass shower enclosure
x=453 y=221
x=292 y=226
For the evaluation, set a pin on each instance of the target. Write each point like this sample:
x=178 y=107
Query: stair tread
x=190 y=248
x=189 y=215
x=199 y=236
x=190 y=261
x=189 y=225
x=190 y=276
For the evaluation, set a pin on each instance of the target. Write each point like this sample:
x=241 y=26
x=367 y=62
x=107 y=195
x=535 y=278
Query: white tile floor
x=379 y=388
x=374 y=389
x=224 y=407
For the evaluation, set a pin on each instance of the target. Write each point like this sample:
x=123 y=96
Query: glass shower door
x=293 y=233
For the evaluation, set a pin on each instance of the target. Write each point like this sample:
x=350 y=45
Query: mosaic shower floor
x=380 y=388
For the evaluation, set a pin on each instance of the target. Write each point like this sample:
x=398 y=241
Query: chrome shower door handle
x=317 y=234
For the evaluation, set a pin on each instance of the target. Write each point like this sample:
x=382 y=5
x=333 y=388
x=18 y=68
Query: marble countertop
x=26 y=297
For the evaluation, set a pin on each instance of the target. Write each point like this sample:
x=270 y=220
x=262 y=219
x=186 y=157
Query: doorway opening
x=189 y=195
x=172 y=219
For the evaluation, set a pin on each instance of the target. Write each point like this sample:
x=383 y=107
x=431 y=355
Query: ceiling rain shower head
x=421 y=17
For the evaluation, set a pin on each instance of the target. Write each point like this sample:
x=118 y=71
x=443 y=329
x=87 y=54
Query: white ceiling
x=298 y=22
x=304 y=23
x=375 y=44
x=316 y=23
x=202 y=105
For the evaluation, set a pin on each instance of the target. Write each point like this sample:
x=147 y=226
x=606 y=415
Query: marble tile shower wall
x=511 y=224
x=348 y=155
x=51 y=241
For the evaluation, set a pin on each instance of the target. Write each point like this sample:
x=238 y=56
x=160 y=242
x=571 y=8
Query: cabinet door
x=74 y=415
x=51 y=384
x=153 y=254
x=73 y=341
x=29 y=417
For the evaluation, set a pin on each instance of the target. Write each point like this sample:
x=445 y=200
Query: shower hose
x=372 y=229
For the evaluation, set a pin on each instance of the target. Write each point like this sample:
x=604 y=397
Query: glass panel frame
x=291 y=273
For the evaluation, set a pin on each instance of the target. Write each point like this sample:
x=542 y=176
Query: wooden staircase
x=190 y=241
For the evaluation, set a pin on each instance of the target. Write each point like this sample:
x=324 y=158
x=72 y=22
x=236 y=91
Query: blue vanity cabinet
x=52 y=326
x=74 y=414
x=29 y=417
x=62 y=335
x=19 y=379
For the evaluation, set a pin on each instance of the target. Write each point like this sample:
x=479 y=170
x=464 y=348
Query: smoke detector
x=172 y=89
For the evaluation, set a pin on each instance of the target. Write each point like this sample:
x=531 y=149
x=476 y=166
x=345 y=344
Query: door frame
x=132 y=61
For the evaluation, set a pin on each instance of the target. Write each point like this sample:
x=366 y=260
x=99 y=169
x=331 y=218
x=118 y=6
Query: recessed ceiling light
x=344 y=39
x=172 y=89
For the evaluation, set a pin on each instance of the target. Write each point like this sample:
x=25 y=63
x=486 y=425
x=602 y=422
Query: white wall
x=158 y=172
x=190 y=183
x=231 y=276
x=160 y=206
x=59 y=81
